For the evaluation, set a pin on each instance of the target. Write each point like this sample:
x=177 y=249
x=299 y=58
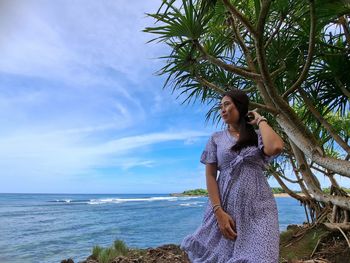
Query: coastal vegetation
x=296 y=243
x=318 y=244
x=196 y=192
x=107 y=255
x=289 y=57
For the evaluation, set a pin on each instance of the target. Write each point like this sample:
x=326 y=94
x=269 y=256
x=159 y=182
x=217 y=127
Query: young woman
x=240 y=223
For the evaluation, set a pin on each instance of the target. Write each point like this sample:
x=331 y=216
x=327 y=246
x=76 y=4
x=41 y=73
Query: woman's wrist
x=216 y=207
x=260 y=119
x=218 y=211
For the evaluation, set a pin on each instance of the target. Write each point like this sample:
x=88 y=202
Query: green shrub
x=96 y=251
x=120 y=247
x=107 y=255
x=103 y=256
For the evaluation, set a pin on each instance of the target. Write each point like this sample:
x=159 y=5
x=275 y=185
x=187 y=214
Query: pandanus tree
x=292 y=57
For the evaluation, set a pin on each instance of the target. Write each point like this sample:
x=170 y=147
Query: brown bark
x=340 y=201
x=285 y=188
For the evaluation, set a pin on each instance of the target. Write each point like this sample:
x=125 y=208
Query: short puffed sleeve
x=209 y=154
x=266 y=158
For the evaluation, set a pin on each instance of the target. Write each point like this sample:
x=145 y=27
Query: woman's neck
x=233 y=127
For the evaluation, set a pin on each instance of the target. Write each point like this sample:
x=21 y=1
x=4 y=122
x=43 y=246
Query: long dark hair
x=247 y=134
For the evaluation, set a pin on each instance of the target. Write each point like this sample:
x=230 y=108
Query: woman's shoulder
x=218 y=134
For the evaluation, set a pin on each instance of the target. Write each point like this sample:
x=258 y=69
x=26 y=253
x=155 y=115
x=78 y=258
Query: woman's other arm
x=211 y=171
x=226 y=223
x=273 y=144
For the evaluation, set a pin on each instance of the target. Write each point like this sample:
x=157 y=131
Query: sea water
x=51 y=227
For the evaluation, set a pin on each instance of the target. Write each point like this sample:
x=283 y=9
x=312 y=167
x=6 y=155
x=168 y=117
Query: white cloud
x=74 y=40
x=64 y=154
x=191 y=141
x=93 y=52
x=126 y=163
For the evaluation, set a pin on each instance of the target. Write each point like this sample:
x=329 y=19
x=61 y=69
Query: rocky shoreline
x=300 y=243
x=164 y=254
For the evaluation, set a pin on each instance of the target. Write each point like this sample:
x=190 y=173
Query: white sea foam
x=142 y=199
x=63 y=200
x=125 y=200
x=194 y=204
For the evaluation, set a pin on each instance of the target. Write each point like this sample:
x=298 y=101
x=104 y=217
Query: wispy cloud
x=65 y=153
x=91 y=58
x=77 y=43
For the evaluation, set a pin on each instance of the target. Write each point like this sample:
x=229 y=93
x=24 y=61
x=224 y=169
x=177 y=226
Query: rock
x=69 y=260
x=293 y=227
x=163 y=254
x=90 y=259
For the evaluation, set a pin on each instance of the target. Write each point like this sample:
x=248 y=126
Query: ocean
x=51 y=227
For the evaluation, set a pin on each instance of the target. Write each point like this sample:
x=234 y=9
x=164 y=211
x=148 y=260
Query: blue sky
x=81 y=110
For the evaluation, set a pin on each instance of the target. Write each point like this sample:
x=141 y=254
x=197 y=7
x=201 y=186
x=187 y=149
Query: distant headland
x=277 y=192
x=203 y=192
x=194 y=192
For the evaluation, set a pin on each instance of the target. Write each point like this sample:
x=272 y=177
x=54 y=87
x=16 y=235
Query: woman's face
x=228 y=111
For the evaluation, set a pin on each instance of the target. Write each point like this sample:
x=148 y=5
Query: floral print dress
x=246 y=196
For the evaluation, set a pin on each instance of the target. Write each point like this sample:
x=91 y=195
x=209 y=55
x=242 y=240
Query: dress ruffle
x=197 y=253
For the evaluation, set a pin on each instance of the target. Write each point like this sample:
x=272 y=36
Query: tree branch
x=277 y=29
x=264 y=10
x=301 y=181
x=317 y=169
x=240 y=40
x=285 y=188
x=263 y=107
x=310 y=52
x=212 y=86
x=335 y=227
x=312 y=150
x=278 y=71
x=323 y=122
x=341 y=201
x=290 y=180
x=236 y=70
x=343 y=21
x=239 y=16
x=342 y=87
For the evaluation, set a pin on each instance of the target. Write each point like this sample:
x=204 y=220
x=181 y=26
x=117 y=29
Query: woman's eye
x=224 y=105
